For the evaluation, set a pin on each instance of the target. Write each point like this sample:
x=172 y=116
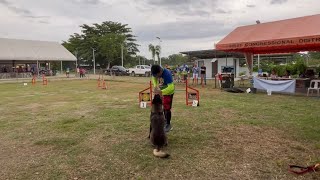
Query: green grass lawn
x=72 y=130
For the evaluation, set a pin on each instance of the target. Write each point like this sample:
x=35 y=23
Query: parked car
x=117 y=70
x=47 y=72
x=141 y=70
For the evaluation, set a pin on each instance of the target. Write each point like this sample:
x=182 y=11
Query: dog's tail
x=161 y=154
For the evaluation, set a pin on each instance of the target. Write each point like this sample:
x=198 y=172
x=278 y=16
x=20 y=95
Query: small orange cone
x=44 y=80
x=33 y=81
x=104 y=85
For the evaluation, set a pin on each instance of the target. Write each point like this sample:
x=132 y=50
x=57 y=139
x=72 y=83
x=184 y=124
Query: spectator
x=195 y=72
x=203 y=75
x=273 y=74
x=67 y=72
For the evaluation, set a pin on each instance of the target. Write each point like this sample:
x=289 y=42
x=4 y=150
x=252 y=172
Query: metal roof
x=212 y=53
x=30 y=50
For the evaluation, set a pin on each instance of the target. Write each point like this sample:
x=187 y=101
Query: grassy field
x=72 y=130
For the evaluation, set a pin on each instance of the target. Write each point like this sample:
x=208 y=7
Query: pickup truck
x=141 y=70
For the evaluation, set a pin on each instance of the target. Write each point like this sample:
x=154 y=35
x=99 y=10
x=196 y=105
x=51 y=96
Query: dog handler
x=166 y=90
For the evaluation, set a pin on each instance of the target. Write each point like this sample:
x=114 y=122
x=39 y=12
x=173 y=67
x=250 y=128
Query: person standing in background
x=195 y=72
x=203 y=75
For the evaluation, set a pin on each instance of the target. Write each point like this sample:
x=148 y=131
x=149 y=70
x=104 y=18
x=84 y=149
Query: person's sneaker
x=167 y=128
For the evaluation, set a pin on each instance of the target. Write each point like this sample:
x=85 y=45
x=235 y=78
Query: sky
x=182 y=25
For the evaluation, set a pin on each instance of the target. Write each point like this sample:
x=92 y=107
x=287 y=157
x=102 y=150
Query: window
x=227 y=69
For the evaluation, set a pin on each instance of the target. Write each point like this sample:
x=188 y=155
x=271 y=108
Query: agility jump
x=44 y=80
x=101 y=82
x=192 y=96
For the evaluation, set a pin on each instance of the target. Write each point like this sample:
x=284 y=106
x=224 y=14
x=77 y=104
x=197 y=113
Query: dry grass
x=72 y=130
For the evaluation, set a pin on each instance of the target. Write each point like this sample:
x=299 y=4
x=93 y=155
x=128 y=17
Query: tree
x=155 y=50
x=107 y=39
x=314 y=55
x=175 y=59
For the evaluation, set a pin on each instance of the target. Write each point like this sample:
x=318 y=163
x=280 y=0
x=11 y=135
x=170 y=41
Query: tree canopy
x=107 y=39
x=175 y=59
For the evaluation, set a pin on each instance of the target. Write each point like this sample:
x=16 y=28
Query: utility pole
x=258 y=22
x=122 y=55
x=160 y=50
x=76 y=53
x=258 y=62
x=94 y=61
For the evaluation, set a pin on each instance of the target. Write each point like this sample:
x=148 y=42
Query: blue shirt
x=168 y=85
x=167 y=77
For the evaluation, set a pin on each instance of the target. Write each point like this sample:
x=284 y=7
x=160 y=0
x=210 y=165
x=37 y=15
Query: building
x=21 y=58
x=228 y=62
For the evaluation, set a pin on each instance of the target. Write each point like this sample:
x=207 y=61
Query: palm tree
x=155 y=50
x=158 y=51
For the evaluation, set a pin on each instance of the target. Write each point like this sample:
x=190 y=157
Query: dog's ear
x=157 y=99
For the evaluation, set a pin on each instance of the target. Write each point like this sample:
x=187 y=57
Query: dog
x=157 y=134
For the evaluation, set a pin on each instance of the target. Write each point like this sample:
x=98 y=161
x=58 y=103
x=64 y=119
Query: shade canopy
x=291 y=35
x=211 y=53
x=29 y=50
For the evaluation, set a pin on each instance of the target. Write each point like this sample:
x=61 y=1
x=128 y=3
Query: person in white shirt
x=195 y=71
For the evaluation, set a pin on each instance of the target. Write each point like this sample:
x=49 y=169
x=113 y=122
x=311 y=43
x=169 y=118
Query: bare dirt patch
x=263 y=152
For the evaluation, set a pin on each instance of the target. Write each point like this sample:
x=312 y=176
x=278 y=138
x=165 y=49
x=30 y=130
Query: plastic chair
x=315 y=86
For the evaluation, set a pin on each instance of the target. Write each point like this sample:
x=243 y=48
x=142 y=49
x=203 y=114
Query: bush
x=242 y=73
x=280 y=70
x=318 y=69
x=300 y=66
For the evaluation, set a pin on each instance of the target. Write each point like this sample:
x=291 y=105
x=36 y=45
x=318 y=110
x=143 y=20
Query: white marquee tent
x=26 y=50
x=15 y=51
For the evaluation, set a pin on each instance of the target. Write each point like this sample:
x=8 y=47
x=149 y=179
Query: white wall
x=225 y=62
x=207 y=64
x=242 y=69
x=221 y=62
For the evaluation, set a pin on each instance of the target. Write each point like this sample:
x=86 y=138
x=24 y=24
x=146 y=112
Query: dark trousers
x=204 y=78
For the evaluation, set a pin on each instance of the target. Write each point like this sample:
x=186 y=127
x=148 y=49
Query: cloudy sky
x=181 y=24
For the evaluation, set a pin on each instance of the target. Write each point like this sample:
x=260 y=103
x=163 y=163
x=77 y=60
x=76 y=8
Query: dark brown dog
x=157 y=134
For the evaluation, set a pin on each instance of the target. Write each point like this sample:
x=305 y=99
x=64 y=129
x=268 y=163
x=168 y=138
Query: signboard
x=270 y=43
x=194 y=103
x=143 y=105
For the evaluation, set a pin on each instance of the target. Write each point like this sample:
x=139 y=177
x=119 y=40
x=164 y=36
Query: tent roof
x=26 y=50
x=291 y=35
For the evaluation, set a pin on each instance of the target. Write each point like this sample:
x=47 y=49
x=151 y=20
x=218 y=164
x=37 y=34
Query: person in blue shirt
x=166 y=90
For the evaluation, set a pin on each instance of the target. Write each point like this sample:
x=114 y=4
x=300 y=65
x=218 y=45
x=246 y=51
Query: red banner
x=270 y=43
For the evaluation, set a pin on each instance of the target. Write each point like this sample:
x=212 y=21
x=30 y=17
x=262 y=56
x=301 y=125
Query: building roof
x=211 y=53
x=291 y=35
x=26 y=50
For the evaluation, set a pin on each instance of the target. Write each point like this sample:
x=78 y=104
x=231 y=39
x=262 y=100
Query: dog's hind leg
x=150 y=131
x=166 y=143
